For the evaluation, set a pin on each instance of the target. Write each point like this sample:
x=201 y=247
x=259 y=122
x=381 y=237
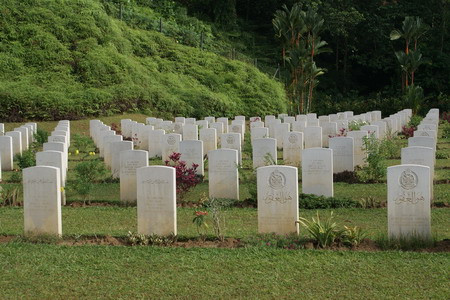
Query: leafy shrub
x=26 y=159
x=375 y=169
x=16 y=176
x=186 y=178
x=356 y=125
x=86 y=174
x=415 y=121
x=309 y=201
x=82 y=143
x=390 y=148
x=40 y=137
x=346 y=176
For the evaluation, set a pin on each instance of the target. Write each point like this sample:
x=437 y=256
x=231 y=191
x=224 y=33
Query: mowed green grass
x=239 y=222
x=50 y=271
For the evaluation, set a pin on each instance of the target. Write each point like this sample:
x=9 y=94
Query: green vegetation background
x=70 y=59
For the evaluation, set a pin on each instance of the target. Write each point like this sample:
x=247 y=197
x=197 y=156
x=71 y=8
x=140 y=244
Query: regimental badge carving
x=230 y=139
x=171 y=140
x=277 y=191
x=408 y=179
x=235 y=129
x=293 y=138
x=277 y=180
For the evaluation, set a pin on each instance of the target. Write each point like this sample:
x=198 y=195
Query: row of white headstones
x=154 y=187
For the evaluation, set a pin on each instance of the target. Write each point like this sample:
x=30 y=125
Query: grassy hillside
x=69 y=59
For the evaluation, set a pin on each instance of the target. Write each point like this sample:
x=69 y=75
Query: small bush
x=309 y=201
x=408 y=131
x=82 y=143
x=86 y=174
x=370 y=202
x=446 y=130
x=356 y=125
x=352 y=236
x=415 y=121
x=375 y=169
x=186 y=178
x=40 y=137
x=442 y=155
x=26 y=159
x=16 y=176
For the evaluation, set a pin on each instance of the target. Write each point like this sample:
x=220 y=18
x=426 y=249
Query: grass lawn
x=50 y=271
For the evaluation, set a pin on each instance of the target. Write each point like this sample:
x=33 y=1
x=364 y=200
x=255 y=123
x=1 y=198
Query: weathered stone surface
x=292 y=148
x=6 y=152
x=116 y=149
x=264 y=152
x=277 y=199
x=16 y=141
x=154 y=143
x=190 y=132
x=223 y=174
x=422 y=156
x=130 y=160
x=42 y=200
x=170 y=144
x=232 y=141
x=192 y=153
x=359 y=153
x=342 y=154
x=156 y=200
x=313 y=137
x=317 y=172
x=209 y=138
x=409 y=214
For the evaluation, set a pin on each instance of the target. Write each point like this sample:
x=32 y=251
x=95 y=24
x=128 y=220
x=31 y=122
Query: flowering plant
x=186 y=178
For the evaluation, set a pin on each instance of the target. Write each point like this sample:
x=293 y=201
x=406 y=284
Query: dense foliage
x=70 y=59
x=363 y=72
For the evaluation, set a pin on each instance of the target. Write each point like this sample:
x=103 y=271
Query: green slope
x=70 y=59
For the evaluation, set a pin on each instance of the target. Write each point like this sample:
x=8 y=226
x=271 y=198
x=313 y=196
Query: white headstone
x=190 y=132
x=209 y=138
x=277 y=199
x=107 y=146
x=156 y=200
x=329 y=129
x=16 y=141
x=313 y=137
x=232 y=141
x=409 y=213
x=264 y=152
x=360 y=155
x=53 y=159
x=223 y=174
x=2 y=129
x=130 y=160
x=317 y=172
x=24 y=137
x=422 y=156
x=342 y=154
x=192 y=153
x=154 y=143
x=116 y=149
x=6 y=152
x=423 y=141
x=292 y=148
x=224 y=121
x=259 y=133
x=280 y=132
x=170 y=144
x=42 y=200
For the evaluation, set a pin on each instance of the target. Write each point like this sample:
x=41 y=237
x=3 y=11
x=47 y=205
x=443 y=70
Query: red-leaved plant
x=408 y=131
x=341 y=132
x=186 y=177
